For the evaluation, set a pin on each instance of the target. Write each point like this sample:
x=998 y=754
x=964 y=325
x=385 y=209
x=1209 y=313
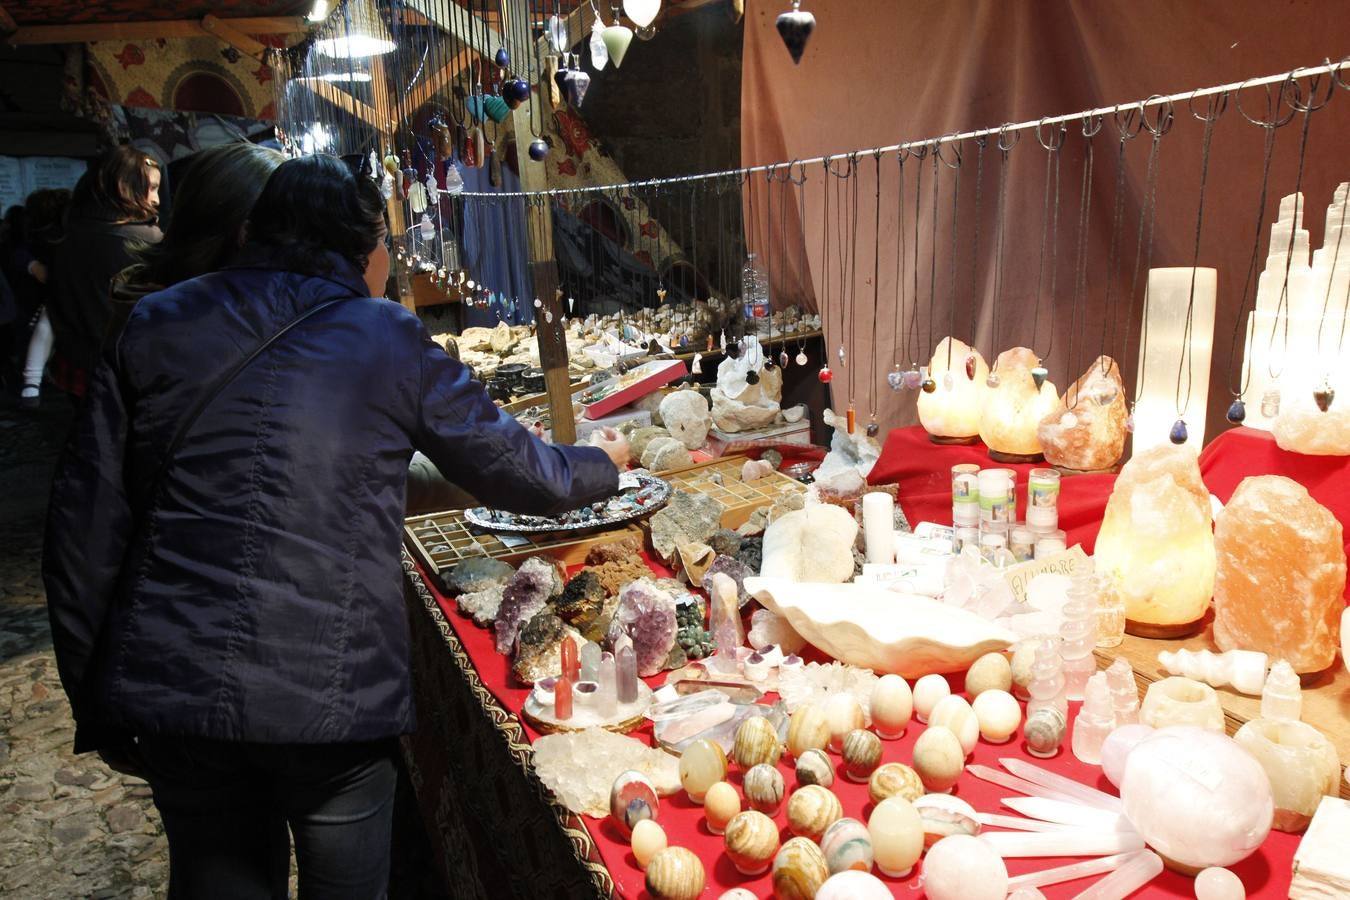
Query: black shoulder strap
x=210 y=394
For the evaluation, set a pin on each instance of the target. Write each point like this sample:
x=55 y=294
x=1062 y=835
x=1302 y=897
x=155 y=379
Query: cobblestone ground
x=69 y=826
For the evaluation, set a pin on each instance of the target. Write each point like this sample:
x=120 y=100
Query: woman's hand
x=614 y=444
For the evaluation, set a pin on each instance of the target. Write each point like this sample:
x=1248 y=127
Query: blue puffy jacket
x=259 y=599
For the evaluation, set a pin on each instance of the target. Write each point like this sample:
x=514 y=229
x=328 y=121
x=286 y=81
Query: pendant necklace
x=948 y=380
x=1326 y=393
x=895 y=379
x=1143 y=251
x=1078 y=308
x=913 y=378
x=1237 y=410
x=928 y=385
x=1214 y=108
x=1049 y=229
x=1007 y=140
x=851 y=284
x=981 y=142
x=768 y=262
x=872 y=427
x=825 y=375
x=802 y=267
x=1129 y=124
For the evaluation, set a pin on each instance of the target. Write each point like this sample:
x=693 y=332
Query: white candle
x=879 y=527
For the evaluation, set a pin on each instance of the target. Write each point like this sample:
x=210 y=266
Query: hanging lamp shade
x=642 y=12
x=617 y=38
x=356 y=32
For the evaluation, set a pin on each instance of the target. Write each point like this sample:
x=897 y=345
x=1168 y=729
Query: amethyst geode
x=529 y=590
x=647 y=615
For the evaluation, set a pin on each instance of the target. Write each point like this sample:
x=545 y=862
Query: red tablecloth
x=1266 y=873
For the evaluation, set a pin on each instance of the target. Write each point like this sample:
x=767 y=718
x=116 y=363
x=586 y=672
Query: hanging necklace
x=913 y=376
x=768 y=260
x=1078 y=310
x=1237 y=410
x=1007 y=140
x=896 y=378
x=1326 y=394
x=1050 y=228
x=981 y=142
x=1129 y=124
x=948 y=379
x=851 y=283
x=825 y=375
x=1214 y=108
x=928 y=385
x=803 y=267
x=872 y=427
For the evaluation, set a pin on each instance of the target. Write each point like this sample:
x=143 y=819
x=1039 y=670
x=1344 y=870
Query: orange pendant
x=852 y=419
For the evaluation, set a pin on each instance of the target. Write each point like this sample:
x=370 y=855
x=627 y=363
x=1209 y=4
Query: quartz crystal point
x=1081 y=792
x=954 y=411
x=1017 y=823
x=1137 y=871
x=1245 y=670
x=1021 y=785
x=1110 y=614
x=1082 y=433
x=1009 y=844
x=727 y=631
x=1086 y=818
x=1282 y=695
x=1094 y=721
x=590 y=662
x=607 y=698
x=1156 y=545
x=1281 y=574
x=1071 y=872
x=1078 y=635
x=626 y=677
x=1124 y=692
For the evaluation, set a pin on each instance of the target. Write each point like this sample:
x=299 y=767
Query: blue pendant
x=1237 y=412
x=1178 y=434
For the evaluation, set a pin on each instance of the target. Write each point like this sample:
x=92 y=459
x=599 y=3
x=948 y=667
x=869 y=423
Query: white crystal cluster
x=815 y=682
x=580 y=767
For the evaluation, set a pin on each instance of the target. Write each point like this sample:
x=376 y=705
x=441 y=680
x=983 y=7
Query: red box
x=647 y=378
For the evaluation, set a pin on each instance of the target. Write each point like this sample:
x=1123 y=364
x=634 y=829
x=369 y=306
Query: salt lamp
x=951 y=413
x=1086 y=431
x=1179 y=337
x=1014 y=407
x=1156 y=547
x=1281 y=574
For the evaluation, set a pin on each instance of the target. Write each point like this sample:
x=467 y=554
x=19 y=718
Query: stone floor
x=69 y=826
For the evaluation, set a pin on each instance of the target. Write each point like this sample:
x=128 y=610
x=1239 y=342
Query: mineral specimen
x=641 y=439
x=632 y=798
x=1281 y=574
x=736 y=571
x=614 y=551
x=755 y=469
x=582 y=599
x=1245 y=670
x=687 y=416
x=1302 y=428
x=580 y=767
x=477 y=574
x=666 y=453
x=1014 y=408
x=528 y=592
x=687 y=517
x=847 y=846
x=693 y=560
x=647 y=615
x=725 y=542
x=811 y=810
x=482 y=605
x=953 y=410
x=1156 y=546
x=537 y=653
x=740 y=406
x=894 y=780
x=799 y=870
x=1084 y=433
x=1300 y=762
x=751 y=840
x=763 y=786
x=814 y=767
x=814 y=544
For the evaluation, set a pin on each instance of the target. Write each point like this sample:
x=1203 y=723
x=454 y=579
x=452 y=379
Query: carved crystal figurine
x=1094 y=722
x=1078 y=633
x=1124 y=692
x=1047 y=680
x=1245 y=670
x=1282 y=696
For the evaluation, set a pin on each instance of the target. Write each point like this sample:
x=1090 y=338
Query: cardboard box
x=647 y=378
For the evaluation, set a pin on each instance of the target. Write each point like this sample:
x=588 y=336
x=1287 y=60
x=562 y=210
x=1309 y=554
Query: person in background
x=44 y=215
x=222 y=558
x=115 y=203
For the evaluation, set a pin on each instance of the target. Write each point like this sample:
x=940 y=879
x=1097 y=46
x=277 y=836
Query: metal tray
x=640 y=494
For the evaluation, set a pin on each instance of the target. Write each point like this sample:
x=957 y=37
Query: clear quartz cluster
x=580 y=767
x=816 y=682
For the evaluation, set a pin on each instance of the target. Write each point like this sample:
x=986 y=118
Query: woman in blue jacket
x=222 y=554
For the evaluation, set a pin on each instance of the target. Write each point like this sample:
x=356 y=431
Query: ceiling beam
x=341 y=99
x=466 y=27
x=7 y=24
x=235 y=38
x=140 y=31
x=428 y=88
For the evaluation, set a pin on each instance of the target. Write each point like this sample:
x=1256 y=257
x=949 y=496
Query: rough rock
x=647 y=615
x=1156 y=544
x=693 y=560
x=740 y=406
x=618 y=574
x=755 y=469
x=768 y=628
x=666 y=453
x=687 y=416
x=651 y=404
x=613 y=551
x=582 y=599
x=538 y=655
x=580 y=767
x=502 y=340
x=598 y=628
x=954 y=411
x=1281 y=574
x=734 y=569
x=482 y=605
x=687 y=517
x=1087 y=429
x=477 y=574
x=725 y=542
x=773 y=458
x=529 y=590
x=641 y=438
x=812 y=544
x=1014 y=409
x=851 y=457
x=1303 y=428
x=751 y=554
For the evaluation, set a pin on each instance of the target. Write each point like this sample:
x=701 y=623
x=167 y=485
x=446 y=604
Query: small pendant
x=734 y=350
x=1129 y=422
x=873 y=428
x=538 y=303
x=1270 y=404
x=722 y=340
x=948 y=381
x=710 y=342
x=825 y=375
x=801 y=357
x=852 y=418
x=752 y=377
x=795 y=27
x=895 y=379
x=1324 y=395
x=1178 y=434
x=843 y=358
x=661 y=295
x=548 y=316
x=992 y=381
x=929 y=385
x=913 y=378
x=696 y=367
x=571 y=304
x=970 y=367
x=1038 y=375
x=783 y=359
x=1237 y=412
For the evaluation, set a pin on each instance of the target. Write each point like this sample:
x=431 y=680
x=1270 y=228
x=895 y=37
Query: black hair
x=117 y=186
x=314 y=205
x=210 y=206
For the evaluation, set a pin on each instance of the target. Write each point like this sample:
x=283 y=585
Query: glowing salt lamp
x=1167 y=350
x=951 y=413
x=1086 y=431
x=1156 y=545
x=1013 y=407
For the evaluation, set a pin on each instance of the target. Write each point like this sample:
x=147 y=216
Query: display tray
x=1324 y=699
x=629 y=716
x=640 y=494
x=440 y=541
x=739 y=499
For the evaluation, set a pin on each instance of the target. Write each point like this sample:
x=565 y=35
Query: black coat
x=259 y=597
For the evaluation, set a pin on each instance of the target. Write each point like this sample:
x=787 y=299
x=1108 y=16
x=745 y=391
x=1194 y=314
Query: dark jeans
x=226 y=807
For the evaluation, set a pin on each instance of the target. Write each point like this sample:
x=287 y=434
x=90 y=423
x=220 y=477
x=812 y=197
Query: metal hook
x=1091 y=130
x=956 y=149
x=1215 y=104
x=1314 y=84
x=1162 y=123
x=901 y=154
x=1054 y=143
x=981 y=140
x=1131 y=122
x=802 y=167
x=1004 y=131
x=1273 y=102
x=1336 y=72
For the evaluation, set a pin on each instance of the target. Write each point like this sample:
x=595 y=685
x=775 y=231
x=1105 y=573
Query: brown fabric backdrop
x=878 y=73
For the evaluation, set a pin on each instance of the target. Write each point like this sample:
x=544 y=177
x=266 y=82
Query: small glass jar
x=1048 y=543
x=1022 y=543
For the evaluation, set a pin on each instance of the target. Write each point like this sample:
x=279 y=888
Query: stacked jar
x=965 y=506
x=998 y=512
x=1043 y=512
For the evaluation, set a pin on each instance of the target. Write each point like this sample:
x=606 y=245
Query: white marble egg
x=962 y=867
x=648 y=840
x=928 y=690
x=999 y=715
x=720 y=804
x=939 y=759
x=844 y=713
x=738 y=894
x=891 y=705
x=1216 y=883
x=956 y=715
x=991 y=672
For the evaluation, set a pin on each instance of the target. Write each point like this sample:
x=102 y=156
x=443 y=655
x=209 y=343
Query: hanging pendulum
x=733 y=350
x=872 y=427
x=801 y=357
x=722 y=341
x=852 y=418
x=503 y=58
x=1237 y=411
x=843 y=358
x=1270 y=403
x=783 y=359
x=992 y=381
x=947 y=381
x=970 y=367
x=696 y=367
x=538 y=303
x=1178 y=434
x=913 y=378
x=895 y=378
x=928 y=384
x=752 y=377
x=1129 y=420
x=795 y=27
x=1324 y=395
x=660 y=295
x=538 y=149
x=1038 y=375
x=825 y=375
